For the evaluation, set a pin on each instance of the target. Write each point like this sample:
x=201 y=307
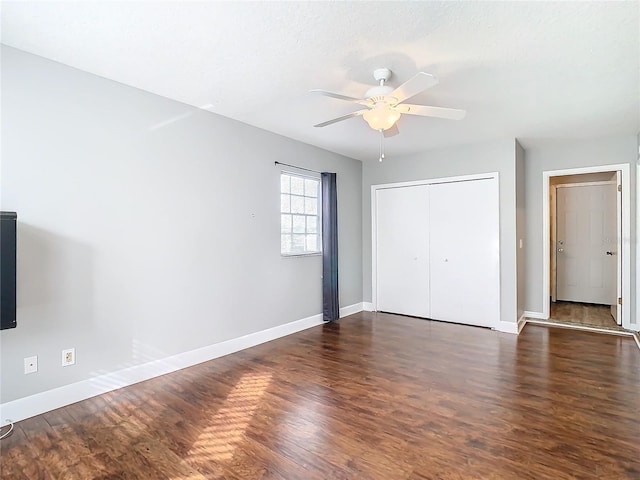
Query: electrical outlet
x=68 y=357
x=31 y=364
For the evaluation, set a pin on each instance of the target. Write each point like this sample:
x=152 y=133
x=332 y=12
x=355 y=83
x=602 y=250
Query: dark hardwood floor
x=375 y=396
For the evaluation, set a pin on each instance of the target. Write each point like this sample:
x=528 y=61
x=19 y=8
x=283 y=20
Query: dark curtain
x=330 y=307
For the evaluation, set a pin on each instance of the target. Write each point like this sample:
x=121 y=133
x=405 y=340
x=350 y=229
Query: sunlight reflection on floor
x=225 y=430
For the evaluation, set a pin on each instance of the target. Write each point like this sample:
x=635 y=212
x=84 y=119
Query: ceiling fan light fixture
x=381 y=117
x=382 y=106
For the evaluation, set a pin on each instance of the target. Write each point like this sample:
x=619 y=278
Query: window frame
x=305 y=253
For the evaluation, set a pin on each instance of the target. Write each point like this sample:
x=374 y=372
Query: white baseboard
x=367 y=306
x=585 y=328
x=508 y=327
x=351 y=309
x=538 y=315
x=30 y=406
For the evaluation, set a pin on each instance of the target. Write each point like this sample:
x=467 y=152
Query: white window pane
x=312 y=224
x=300 y=215
x=285 y=206
x=297 y=204
x=285 y=223
x=298 y=224
x=310 y=187
x=312 y=243
x=298 y=242
x=310 y=206
x=297 y=185
x=285 y=184
x=285 y=243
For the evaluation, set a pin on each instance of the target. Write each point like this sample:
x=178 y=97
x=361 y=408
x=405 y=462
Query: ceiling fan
x=384 y=104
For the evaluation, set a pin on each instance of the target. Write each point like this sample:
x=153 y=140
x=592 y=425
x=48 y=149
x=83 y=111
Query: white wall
x=566 y=154
x=497 y=156
x=146 y=227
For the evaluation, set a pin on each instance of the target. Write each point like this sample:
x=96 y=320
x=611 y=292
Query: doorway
x=586 y=274
x=584 y=233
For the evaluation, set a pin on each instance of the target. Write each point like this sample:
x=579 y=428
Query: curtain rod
x=300 y=168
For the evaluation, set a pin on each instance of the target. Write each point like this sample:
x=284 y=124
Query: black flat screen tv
x=8 y=224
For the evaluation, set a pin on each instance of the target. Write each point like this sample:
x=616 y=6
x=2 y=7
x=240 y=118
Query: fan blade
x=339 y=119
x=391 y=132
x=413 y=86
x=426 y=111
x=335 y=95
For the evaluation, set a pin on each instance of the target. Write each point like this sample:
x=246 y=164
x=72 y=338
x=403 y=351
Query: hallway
x=584 y=314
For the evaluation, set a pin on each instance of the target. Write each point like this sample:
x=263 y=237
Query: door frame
x=430 y=181
x=624 y=277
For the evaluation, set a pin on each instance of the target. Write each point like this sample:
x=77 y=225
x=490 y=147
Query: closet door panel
x=465 y=252
x=402 y=250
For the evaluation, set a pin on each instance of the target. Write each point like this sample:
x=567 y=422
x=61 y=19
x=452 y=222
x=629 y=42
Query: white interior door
x=465 y=252
x=586 y=243
x=402 y=250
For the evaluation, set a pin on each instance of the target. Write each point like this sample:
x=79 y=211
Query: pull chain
x=381 y=146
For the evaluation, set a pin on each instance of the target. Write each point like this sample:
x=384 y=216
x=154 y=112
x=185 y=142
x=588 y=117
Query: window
x=299 y=214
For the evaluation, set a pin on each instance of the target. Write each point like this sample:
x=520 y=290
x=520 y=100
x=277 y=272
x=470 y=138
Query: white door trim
x=619 y=199
x=430 y=181
x=625 y=240
x=636 y=325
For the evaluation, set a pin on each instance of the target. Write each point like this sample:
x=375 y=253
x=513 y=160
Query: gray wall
x=521 y=245
x=497 y=156
x=558 y=155
x=146 y=227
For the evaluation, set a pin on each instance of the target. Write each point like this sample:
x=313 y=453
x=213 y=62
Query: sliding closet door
x=402 y=250
x=465 y=255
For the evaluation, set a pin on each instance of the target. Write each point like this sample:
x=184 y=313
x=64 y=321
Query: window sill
x=294 y=255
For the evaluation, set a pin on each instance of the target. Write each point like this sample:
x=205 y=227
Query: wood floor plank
x=374 y=396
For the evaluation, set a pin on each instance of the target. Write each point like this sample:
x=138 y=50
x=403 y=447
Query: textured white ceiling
x=531 y=70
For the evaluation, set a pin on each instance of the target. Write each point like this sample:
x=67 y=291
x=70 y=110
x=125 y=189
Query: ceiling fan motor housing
x=380 y=91
x=383 y=74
